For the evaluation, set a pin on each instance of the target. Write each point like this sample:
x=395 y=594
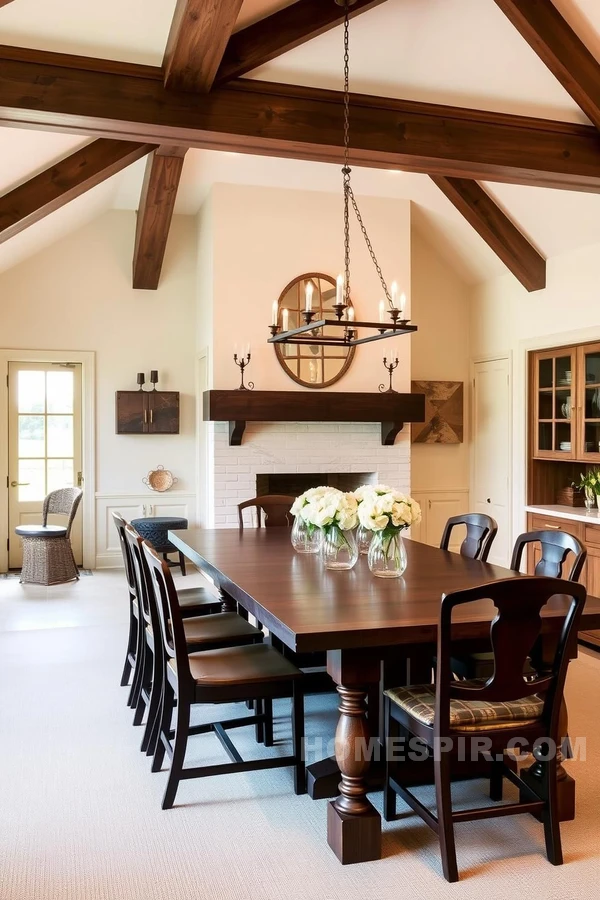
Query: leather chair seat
x=45 y=531
x=219 y=628
x=240 y=665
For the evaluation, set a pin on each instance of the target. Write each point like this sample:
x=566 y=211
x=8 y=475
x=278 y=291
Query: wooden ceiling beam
x=197 y=41
x=282 y=31
x=300 y=123
x=64 y=181
x=159 y=192
x=496 y=229
x=557 y=45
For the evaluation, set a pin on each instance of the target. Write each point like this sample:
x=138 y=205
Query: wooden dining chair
x=273 y=508
x=232 y=674
x=481 y=531
x=215 y=629
x=454 y=715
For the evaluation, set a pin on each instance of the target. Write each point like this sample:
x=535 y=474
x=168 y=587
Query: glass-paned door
x=554 y=402
x=589 y=402
x=44 y=444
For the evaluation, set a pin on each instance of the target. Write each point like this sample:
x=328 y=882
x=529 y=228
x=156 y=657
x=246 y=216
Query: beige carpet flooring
x=80 y=815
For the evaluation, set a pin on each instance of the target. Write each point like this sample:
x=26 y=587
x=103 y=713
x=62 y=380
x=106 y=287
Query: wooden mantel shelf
x=238 y=407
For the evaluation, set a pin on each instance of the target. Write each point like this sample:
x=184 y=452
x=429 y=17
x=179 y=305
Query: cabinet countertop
x=576 y=513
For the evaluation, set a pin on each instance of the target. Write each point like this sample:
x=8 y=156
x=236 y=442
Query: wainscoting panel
x=437 y=507
x=134 y=506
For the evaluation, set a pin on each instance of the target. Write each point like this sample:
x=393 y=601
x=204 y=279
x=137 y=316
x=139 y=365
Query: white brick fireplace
x=278 y=448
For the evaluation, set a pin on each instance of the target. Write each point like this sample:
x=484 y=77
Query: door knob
x=489 y=500
x=19 y=484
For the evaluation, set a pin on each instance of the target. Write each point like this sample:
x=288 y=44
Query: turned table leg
x=353 y=825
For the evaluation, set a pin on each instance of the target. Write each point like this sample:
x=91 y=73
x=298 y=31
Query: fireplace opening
x=295 y=483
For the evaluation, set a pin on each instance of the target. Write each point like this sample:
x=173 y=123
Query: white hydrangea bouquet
x=385 y=513
x=335 y=514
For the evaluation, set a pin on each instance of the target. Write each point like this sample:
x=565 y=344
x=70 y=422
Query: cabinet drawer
x=551 y=523
x=592 y=534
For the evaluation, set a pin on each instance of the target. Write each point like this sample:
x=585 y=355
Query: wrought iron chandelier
x=343 y=330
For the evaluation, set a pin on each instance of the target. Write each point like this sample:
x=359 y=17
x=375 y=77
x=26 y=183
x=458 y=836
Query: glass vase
x=339 y=548
x=363 y=539
x=589 y=497
x=387 y=554
x=306 y=538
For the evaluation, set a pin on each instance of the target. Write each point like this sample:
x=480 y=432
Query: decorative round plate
x=160 y=479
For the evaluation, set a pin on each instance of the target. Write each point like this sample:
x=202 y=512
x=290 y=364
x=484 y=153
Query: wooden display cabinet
x=147 y=412
x=565 y=395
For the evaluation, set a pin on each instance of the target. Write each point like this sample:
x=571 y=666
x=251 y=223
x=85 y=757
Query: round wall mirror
x=309 y=364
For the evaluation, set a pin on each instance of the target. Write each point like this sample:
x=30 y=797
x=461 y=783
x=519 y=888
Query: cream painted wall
x=440 y=352
x=264 y=237
x=77 y=295
x=506 y=319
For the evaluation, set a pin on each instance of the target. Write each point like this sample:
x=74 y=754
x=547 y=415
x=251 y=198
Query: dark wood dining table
x=360 y=621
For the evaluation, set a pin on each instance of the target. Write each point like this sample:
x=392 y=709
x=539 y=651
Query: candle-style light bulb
x=285 y=319
x=351 y=314
x=394 y=295
x=309 y=295
x=247 y=349
x=235 y=349
x=275 y=310
x=402 y=303
x=381 y=310
x=339 y=290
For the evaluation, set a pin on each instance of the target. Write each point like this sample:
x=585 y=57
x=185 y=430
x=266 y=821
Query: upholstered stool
x=155 y=530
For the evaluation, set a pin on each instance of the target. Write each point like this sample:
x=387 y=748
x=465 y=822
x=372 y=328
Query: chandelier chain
x=349 y=197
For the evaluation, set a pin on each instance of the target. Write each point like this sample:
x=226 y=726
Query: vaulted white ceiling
x=462 y=52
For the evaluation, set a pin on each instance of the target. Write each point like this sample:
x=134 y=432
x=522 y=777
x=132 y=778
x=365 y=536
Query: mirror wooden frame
x=279 y=348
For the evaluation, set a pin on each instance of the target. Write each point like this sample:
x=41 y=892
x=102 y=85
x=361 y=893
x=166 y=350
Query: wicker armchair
x=47 y=553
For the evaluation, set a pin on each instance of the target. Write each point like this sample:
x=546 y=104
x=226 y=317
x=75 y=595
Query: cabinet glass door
x=554 y=404
x=589 y=402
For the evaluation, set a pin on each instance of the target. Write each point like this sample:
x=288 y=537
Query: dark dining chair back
x=481 y=531
x=131 y=654
x=556 y=547
x=275 y=508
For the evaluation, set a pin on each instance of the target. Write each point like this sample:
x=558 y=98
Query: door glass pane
x=563 y=370
x=546 y=405
x=592 y=403
x=31 y=389
x=562 y=438
x=562 y=406
x=32 y=481
x=60 y=392
x=31 y=436
x=545 y=373
x=60 y=474
x=592 y=438
x=60 y=435
x=545 y=435
x=592 y=368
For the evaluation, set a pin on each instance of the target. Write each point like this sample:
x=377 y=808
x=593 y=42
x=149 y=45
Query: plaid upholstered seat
x=419 y=702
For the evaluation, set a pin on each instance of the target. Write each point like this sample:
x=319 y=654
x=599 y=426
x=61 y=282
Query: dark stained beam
x=299 y=123
x=557 y=45
x=197 y=41
x=5 y=2
x=64 y=181
x=276 y=34
x=496 y=229
x=157 y=202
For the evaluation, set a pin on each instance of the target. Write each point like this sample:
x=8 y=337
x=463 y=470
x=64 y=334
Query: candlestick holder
x=339 y=310
x=242 y=362
x=154 y=378
x=308 y=315
x=391 y=367
x=141 y=378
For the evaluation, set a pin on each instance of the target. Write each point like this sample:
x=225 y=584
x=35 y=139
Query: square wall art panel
x=443 y=413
